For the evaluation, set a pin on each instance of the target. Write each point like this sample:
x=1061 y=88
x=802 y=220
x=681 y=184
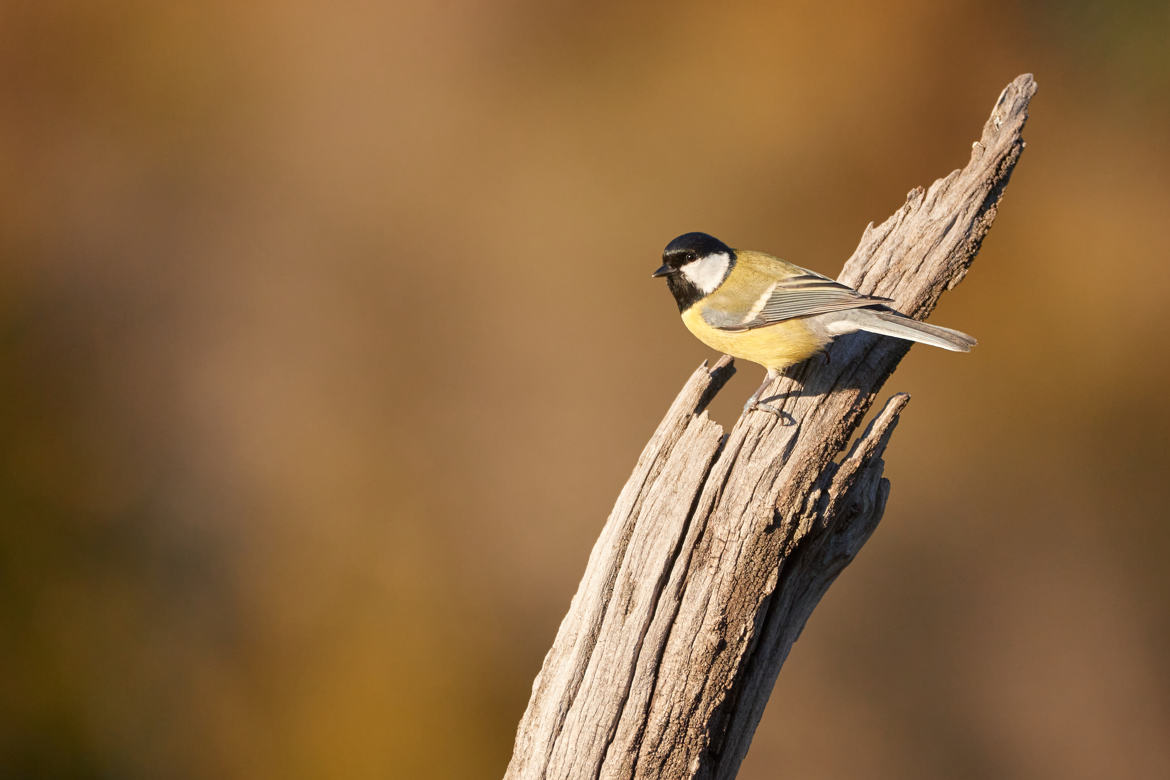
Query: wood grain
x=720 y=546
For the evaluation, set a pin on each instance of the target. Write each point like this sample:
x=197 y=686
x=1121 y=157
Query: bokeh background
x=327 y=340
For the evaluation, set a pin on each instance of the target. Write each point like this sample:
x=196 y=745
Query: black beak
x=663 y=270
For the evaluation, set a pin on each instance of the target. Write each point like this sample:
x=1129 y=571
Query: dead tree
x=720 y=546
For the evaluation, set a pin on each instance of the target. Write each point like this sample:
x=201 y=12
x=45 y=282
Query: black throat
x=685 y=293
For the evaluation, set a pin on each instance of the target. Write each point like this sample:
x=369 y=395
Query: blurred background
x=327 y=340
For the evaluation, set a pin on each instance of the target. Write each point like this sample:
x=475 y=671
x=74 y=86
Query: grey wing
x=797 y=296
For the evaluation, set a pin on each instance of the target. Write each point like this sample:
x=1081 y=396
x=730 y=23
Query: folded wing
x=802 y=295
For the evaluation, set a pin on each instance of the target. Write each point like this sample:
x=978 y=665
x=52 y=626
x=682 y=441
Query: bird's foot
x=784 y=417
x=763 y=407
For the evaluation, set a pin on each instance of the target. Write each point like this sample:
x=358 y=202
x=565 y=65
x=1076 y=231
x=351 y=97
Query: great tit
x=754 y=306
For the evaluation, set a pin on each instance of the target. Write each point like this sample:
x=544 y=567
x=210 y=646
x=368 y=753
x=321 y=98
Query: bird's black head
x=690 y=247
x=694 y=264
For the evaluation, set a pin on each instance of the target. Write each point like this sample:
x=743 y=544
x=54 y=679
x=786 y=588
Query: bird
x=757 y=307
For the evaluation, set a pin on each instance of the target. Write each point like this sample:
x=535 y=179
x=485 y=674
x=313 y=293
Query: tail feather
x=890 y=323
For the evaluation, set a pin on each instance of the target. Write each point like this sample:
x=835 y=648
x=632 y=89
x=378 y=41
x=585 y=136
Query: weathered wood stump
x=720 y=546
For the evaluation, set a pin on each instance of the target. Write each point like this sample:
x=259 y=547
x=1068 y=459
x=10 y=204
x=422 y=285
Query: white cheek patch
x=708 y=272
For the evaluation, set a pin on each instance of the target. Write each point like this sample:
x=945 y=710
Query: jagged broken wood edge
x=718 y=548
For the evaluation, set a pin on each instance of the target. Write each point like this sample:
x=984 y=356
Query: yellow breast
x=774 y=347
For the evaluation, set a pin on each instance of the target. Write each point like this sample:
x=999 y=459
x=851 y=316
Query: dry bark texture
x=719 y=547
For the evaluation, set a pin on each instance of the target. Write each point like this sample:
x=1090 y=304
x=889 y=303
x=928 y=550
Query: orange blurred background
x=328 y=340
